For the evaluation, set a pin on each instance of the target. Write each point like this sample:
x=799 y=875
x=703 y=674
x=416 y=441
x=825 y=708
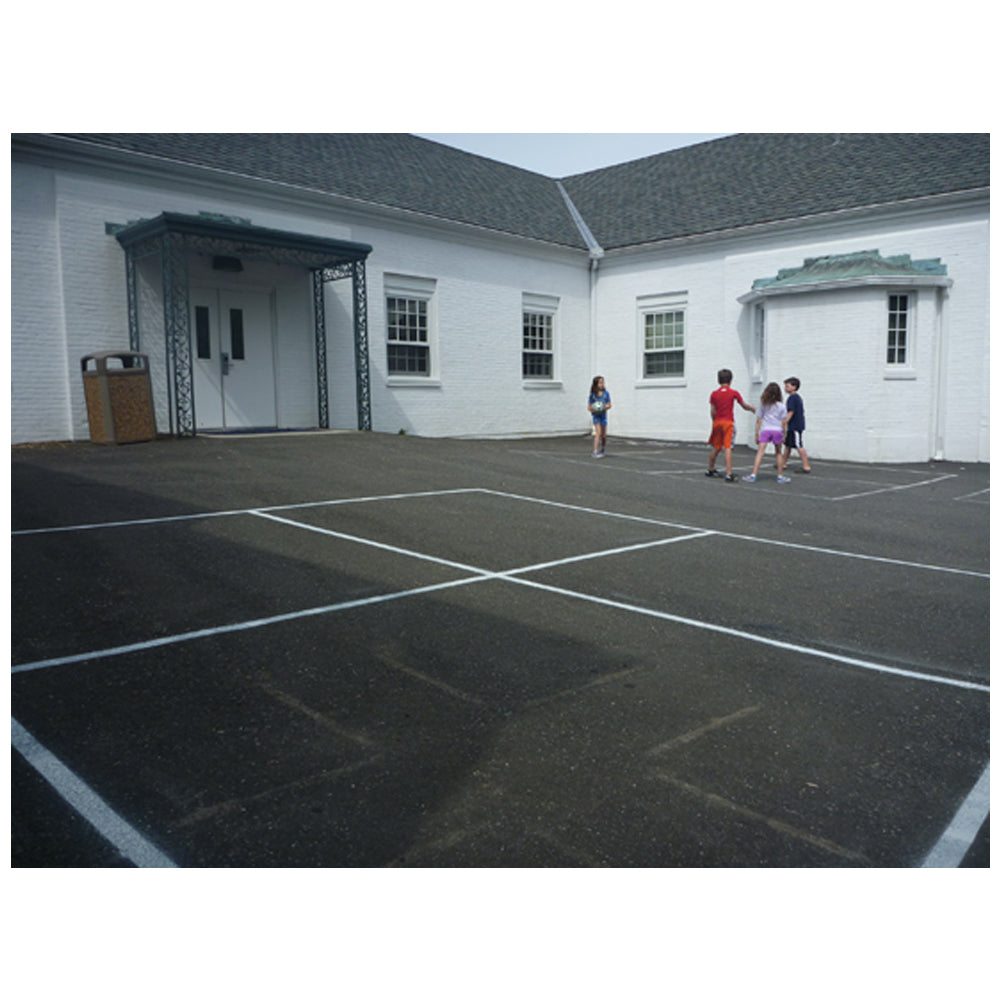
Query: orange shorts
x=722 y=434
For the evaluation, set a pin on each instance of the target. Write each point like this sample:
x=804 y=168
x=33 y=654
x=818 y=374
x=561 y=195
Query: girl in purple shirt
x=771 y=419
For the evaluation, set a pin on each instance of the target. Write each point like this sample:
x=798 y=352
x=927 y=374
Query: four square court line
x=535 y=564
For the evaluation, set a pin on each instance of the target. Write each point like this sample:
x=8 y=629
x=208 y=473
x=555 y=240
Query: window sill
x=412 y=382
x=541 y=383
x=905 y=374
x=661 y=383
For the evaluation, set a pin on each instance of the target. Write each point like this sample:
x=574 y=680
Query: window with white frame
x=409 y=325
x=758 y=345
x=898 y=346
x=538 y=337
x=662 y=322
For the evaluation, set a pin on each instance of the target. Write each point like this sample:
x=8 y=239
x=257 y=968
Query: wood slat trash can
x=119 y=397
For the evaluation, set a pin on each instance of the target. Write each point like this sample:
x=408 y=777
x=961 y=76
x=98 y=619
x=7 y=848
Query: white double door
x=232 y=341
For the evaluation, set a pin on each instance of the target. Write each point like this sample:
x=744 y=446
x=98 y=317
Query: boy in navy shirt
x=796 y=423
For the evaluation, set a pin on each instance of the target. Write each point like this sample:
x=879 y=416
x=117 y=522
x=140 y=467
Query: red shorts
x=722 y=434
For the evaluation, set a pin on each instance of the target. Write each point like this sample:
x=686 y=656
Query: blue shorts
x=601 y=418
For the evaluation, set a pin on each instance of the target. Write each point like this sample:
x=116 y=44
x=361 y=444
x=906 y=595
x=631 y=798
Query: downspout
x=595 y=261
x=939 y=399
x=596 y=253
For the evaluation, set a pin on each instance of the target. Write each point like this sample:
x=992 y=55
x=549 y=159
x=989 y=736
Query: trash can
x=119 y=397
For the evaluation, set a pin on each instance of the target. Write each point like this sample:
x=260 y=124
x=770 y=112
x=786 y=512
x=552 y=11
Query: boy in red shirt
x=721 y=402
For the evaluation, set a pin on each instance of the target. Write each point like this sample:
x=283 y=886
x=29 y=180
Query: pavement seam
x=710 y=726
x=779 y=826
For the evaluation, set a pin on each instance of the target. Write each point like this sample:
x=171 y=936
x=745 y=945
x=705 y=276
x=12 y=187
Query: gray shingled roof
x=754 y=178
x=395 y=169
x=724 y=184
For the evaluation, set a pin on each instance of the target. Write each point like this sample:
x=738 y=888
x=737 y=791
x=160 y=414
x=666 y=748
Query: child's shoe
x=730 y=478
x=711 y=472
x=783 y=479
x=750 y=479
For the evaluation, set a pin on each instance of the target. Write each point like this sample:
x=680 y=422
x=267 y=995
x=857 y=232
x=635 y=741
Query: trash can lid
x=129 y=359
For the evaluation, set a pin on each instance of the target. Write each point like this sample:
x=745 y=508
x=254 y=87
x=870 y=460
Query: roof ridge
x=720 y=185
x=596 y=250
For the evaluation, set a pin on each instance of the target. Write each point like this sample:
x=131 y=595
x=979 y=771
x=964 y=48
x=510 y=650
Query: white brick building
x=465 y=297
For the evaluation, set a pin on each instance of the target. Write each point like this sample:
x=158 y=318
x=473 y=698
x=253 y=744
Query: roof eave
x=855 y=281
x=329 y=250
x=42 y=147
x=951 y=199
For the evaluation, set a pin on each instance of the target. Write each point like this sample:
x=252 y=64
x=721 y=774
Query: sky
x=561 y=154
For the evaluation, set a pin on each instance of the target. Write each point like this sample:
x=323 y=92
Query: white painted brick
x=69 y=299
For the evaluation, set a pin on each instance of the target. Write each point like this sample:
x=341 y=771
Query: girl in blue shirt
x=598 y=403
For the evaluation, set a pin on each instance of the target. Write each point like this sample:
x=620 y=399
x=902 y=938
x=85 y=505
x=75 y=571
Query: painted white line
x=396 y=550
x=891 y=489
x=894 y=469
x=605 y=552
x=955 y=842
x=207 y=633
x=511 y=576
x=513 y=496
x=659 y=522
x=969 y=496
x=374 y=498
x=97 y=525
x=761 y=640
x=676 y=472
x=479 y=576
x=78 y=794
x=745 y=538
x=818 y=550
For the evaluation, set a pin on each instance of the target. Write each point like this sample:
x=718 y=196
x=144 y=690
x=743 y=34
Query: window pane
x=664 y=330
x=202 y=332
x=407 y=359
x=897 y=326
x=236 y=334
x=537 y=332
x=663 y=336
x=536 y=345
x=406 y=320
x=664 y=363
x=536 y=365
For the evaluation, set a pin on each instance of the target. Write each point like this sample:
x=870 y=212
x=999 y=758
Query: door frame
x=172 y=236
x=209 y=379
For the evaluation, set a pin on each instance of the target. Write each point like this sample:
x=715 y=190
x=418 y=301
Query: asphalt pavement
x=366 y=650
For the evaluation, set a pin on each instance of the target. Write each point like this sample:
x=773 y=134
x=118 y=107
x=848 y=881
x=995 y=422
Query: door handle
x=225 y=364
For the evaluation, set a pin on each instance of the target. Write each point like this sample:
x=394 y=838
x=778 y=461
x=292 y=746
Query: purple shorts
x=771 y=437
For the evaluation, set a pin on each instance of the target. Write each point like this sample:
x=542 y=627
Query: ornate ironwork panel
x=176 y=318
x=355 y=270
x=338 y=271
x=319 y=316
x=174 y=237
x=361 y=367
x=133 y=301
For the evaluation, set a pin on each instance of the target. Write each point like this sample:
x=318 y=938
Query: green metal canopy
x=849 y=270
x=173 y=236
x=202 y=231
